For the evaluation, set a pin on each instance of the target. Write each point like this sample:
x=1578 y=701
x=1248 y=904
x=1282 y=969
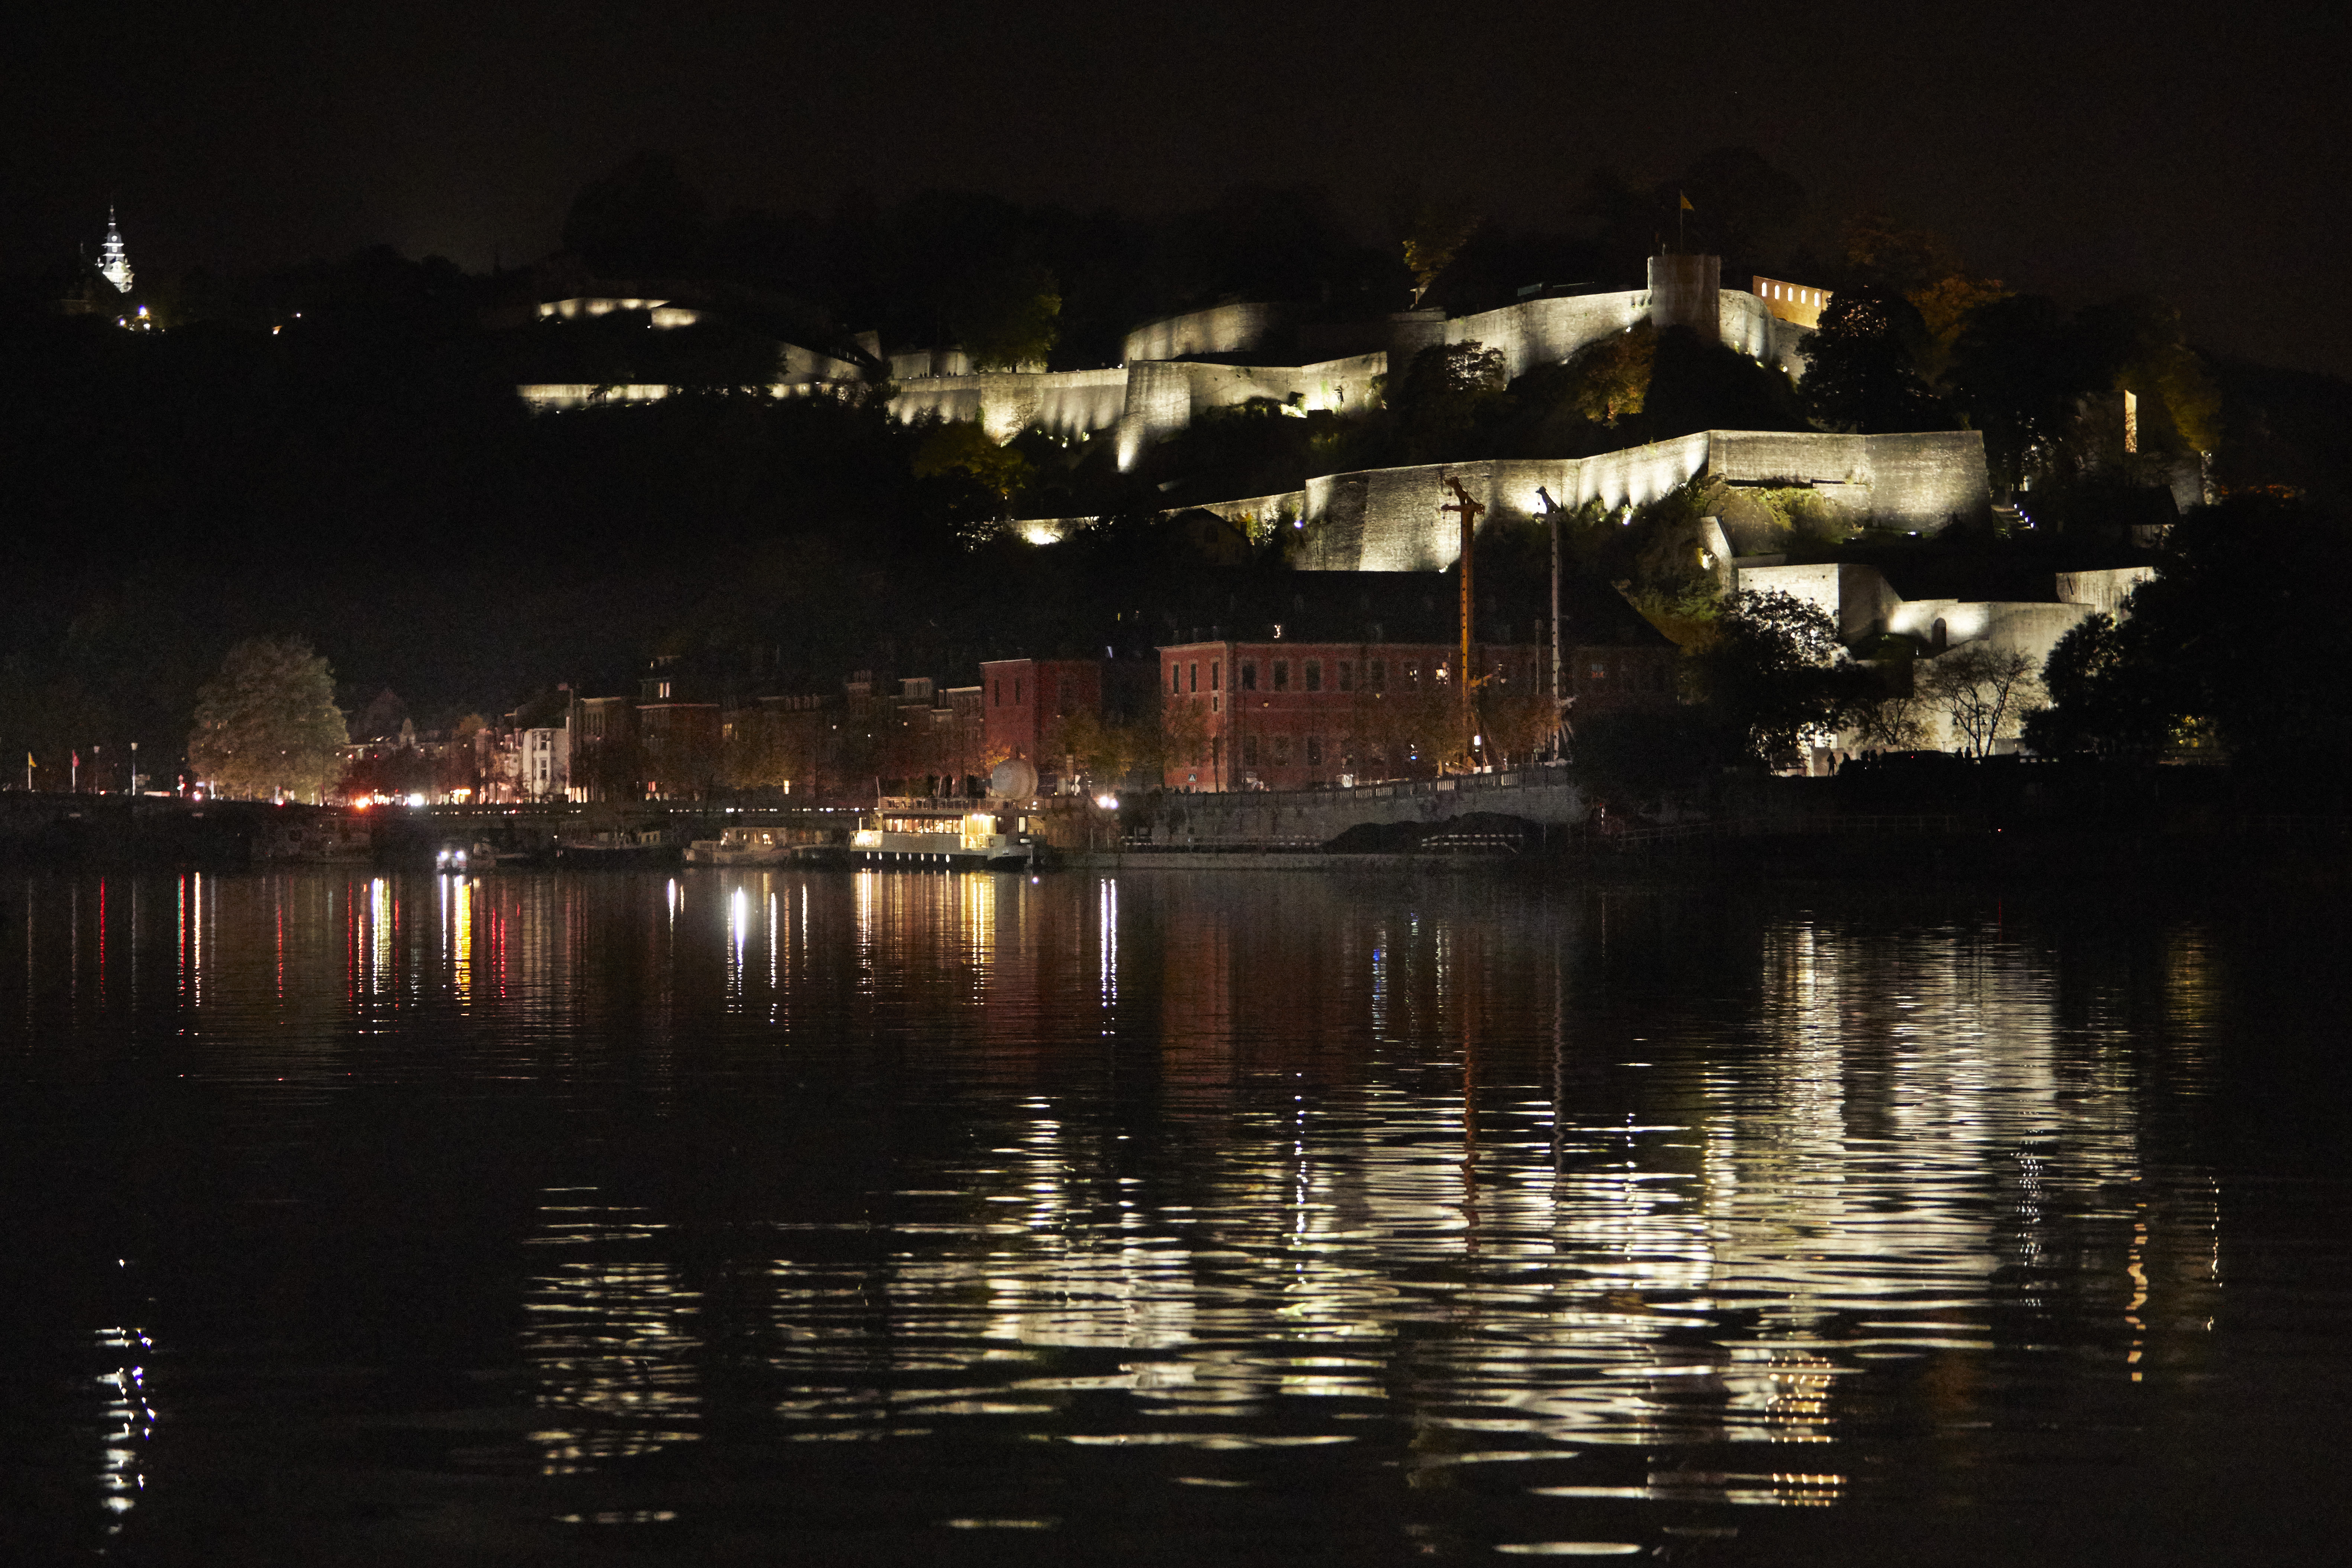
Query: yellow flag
x=1685 y=201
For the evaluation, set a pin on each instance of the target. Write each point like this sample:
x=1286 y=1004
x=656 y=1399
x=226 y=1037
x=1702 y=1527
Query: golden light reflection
x=1321 y=1152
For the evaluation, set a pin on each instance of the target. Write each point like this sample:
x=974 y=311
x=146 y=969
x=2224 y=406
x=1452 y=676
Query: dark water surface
x=1166 y=1218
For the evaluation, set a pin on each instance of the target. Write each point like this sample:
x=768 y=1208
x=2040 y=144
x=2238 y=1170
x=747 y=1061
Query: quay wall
x=1302 y=817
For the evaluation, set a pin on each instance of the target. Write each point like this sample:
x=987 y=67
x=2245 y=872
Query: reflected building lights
x=1914 y=1136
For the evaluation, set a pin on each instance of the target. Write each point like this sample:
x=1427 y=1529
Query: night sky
x=2085 y=151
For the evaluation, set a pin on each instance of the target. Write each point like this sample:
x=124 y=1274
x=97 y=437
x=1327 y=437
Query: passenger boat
x=739 y=846
x=945 y=837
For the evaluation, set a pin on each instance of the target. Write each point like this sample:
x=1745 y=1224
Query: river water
x=1169 y=1217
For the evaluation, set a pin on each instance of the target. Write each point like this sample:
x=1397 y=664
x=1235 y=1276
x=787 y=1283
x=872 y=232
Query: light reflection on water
x=1638 y=1213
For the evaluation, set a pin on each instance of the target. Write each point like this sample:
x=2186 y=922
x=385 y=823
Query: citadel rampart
x=1388 y=519
x=1165 y=382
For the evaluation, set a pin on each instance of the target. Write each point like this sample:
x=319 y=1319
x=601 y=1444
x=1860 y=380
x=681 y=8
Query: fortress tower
x=1687 y=291
x=113 y=259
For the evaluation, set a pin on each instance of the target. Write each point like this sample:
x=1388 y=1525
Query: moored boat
x=936 y=839
x=739 y=846
x=617 y=849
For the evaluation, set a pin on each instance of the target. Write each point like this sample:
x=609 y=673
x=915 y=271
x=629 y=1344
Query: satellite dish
x=1012 y=779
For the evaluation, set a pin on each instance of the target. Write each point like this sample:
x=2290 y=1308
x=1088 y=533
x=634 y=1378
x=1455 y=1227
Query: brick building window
x=1249 y=675
x=1175 y=679
x=1376 y=675
x=1313 y=750
x=1194 y=677
x=1249 y=751
x=1282 y=675
x=1314 y=675
x=1282 y=750
x=1216 y=667
x=1347 y=675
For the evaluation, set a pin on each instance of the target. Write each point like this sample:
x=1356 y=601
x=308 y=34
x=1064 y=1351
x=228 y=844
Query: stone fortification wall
x=1922 y=482
x=2103 y=592
x=952 y=398
x=549 y=395
x=1864 y=603
x=1220 y=330
x=1259 y=515
x=1858 y=598
x=1063 y=402
x=1687 y=291
x=1066 y=402
x=1545 y=331
x=2002 y=625
x=1163 y=397
x=1749 y=326
x=916 y=364
x=1389 y=519
x=1159 y=404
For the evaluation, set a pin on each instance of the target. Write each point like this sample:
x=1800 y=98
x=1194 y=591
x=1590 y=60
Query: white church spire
x=114 y=260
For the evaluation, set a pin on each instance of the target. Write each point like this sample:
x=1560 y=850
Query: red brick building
x=1023 y=701
x=1279 y=714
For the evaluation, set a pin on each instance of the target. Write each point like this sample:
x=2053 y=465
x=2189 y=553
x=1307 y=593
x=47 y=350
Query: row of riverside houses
x=1344 y=688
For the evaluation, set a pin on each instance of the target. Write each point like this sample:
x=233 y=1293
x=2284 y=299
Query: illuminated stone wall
x=1063 y=402
x=1164 y=396
x=1545 y=331
x=1687 y=291
x=1389 y=519
x=1923 y=481
x=1864 y=603
x=2102 y=591
x=1221 y=330
x=1749 y=326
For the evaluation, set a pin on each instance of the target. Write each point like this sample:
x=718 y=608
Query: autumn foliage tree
x=266 y=724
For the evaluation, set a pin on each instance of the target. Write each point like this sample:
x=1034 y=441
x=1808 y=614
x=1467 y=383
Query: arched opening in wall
x=1938 y=638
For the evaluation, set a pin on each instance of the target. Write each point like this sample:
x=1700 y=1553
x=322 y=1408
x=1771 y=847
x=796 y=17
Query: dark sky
x=2083 y=149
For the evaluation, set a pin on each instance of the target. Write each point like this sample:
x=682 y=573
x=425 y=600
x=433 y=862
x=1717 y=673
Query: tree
x=1613 y=376
x=1767 y=672
x=2107 y=694
x=1445 y=395
x=1863 y=365
x=2240 y=627
x=267 y=723
x=2018 y=370
x=1008 y=317
x=1893 y=716
x=1983 y=692
x=964 y=449
x=1185 y=734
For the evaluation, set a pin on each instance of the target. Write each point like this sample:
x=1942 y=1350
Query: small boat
x=739 y=846
x=617 y=849
x=480 y=854
x=941 y=838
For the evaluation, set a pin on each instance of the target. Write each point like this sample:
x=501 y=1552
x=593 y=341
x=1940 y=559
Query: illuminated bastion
x=1389 y=519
